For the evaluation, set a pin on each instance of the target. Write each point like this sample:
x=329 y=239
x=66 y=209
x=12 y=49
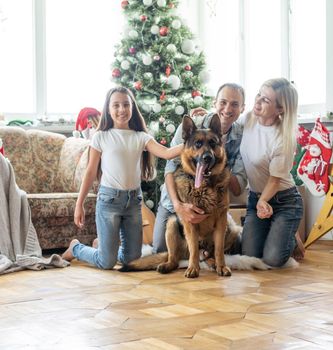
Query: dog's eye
x=198 y=144
x=212 y=143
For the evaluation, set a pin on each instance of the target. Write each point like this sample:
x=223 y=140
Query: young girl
x=123 y=149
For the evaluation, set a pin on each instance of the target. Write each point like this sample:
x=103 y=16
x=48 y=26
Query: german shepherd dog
x=201 y=179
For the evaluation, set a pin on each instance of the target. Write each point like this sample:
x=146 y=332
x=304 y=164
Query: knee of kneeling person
x=274 y=260
x=107 y=264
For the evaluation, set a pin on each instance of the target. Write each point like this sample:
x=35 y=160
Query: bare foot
x=95 y=243
x=68 y=254
x=299 y=250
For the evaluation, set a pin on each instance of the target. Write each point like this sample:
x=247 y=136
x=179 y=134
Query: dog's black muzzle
x=207 y=159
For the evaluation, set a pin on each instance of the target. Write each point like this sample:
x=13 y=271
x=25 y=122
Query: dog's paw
x=192 y=272
x=165 y=267
x=223 y=271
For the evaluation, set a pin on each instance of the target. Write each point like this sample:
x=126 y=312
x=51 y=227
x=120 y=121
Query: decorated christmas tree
x=159 y=61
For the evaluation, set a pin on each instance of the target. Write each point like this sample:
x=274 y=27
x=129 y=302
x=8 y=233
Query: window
x=56 y=55
x=308 y=51
x=17 y=56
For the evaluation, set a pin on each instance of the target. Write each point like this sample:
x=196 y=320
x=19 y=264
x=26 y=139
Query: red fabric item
x=1 y=148
x=82 y=119
x=313 y=168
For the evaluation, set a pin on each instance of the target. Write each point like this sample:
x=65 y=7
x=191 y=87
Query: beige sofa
x=49 y=167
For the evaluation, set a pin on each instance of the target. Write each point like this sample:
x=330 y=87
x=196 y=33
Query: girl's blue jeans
x=119 y=229
x=273 y=239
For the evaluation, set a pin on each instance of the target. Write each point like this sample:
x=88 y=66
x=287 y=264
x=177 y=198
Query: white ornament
x=148 y=75
x=198 y=100
x=150 y=204
x=171 y=48
x=146 y=107
x=176 y=24
x=187 y=46
x=147 y=60
x=179 y=110
x=157 y=108
x=155 y=29
x=133 y=34
x=125 y=65
x=154 y=128
x=204 y=76
x=174 y=82
x=170 y=128
x=161 y=3
x=147 y=2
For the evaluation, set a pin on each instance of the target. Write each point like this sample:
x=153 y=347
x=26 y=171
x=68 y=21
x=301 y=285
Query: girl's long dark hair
x=136 y=123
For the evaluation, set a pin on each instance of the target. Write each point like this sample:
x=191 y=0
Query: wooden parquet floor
x=81 y=307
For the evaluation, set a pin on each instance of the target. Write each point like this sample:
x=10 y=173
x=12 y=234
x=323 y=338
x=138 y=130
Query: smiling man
x=229 y=104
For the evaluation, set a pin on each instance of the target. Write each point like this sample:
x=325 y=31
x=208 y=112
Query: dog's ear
x=188 y=127
x=215 y=125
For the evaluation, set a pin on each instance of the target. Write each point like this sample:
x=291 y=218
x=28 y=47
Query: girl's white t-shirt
x=261 y=150
x=121 y=156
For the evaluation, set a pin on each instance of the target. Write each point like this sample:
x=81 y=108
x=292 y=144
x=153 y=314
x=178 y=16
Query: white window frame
x=40 y=100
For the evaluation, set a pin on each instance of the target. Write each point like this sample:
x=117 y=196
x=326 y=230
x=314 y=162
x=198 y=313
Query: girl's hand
x=264 y=210
x=79 y=216
x=199 y=111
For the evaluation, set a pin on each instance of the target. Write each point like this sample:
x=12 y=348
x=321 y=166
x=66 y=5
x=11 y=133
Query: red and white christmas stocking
x=313 y=168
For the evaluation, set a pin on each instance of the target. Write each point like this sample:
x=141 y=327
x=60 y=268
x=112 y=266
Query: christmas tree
x=158 y=60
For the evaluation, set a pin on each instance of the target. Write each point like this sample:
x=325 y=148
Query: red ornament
x=137 y=85
x=116 y=73
x=163 y=141
x=132 y=50
x=188 y=67
x=196 y=93
x=168 y=70
x=143 y=18
x=124 y=4
x=162 y=97
x=164 y=31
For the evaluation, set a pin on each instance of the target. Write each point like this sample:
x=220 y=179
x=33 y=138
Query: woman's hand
x=264 y=210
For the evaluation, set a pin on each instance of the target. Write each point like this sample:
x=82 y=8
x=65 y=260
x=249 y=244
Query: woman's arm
x=264 y=210
x=161 y=151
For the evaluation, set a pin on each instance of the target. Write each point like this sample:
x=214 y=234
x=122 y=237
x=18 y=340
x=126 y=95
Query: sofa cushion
x=70 y=157
x=46 y=149
x=18 y=150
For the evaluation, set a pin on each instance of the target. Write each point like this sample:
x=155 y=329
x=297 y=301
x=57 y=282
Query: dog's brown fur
x=201 y=145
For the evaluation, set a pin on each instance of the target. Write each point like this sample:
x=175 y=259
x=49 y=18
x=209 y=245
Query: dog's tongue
x=199 y=174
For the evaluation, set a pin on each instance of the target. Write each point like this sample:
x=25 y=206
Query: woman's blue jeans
x=273 y=239
x=119 y=229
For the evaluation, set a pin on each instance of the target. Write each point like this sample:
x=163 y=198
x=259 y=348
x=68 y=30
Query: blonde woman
x=275 y=207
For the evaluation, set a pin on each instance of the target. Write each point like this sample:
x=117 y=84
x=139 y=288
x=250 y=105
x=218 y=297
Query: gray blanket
x=19 y=246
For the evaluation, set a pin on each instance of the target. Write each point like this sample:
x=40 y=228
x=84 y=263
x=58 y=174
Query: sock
x=313 y=167
x=302 y=137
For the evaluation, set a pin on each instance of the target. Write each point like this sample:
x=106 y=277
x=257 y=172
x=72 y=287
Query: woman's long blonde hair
x=287 y=99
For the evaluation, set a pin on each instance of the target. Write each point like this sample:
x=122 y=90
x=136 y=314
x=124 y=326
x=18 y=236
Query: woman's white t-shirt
x=261 y=150
x=121 y=156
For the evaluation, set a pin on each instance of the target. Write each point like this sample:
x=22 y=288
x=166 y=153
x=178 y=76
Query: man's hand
x=190 y=213
x=264 y=210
